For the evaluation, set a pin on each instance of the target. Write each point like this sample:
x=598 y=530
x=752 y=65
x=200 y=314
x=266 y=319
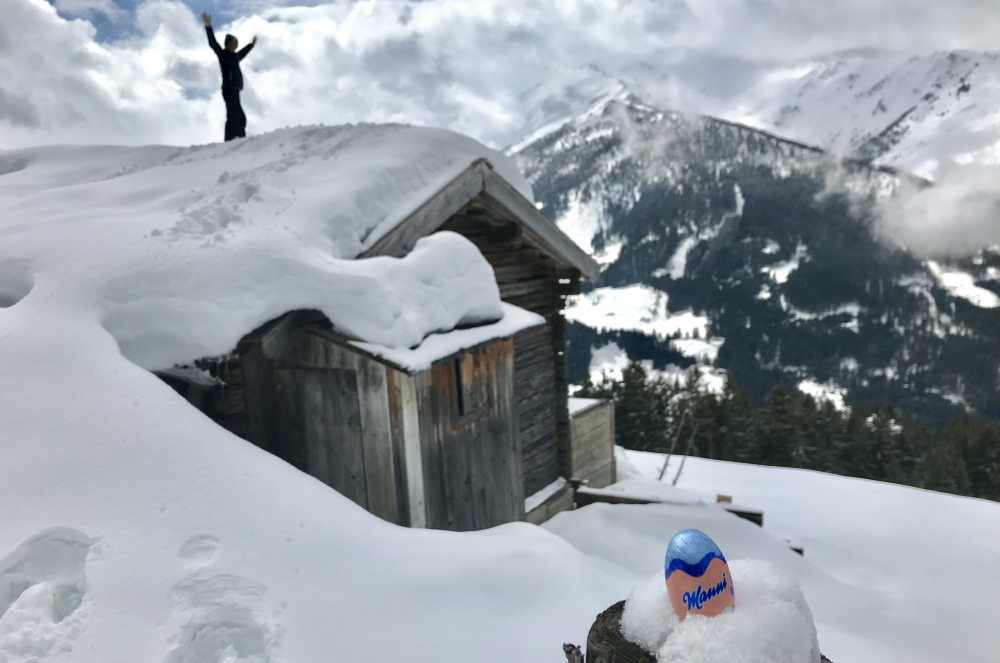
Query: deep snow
x=891 y=573
x=179 y=252
x=135 y=529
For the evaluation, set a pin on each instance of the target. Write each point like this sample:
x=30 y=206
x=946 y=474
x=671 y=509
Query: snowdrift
x=179 y=252
x=135 y=529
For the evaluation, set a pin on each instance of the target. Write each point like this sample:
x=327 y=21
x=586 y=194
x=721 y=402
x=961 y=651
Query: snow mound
x=182 y=251
x=178 y=542
x=771 y=622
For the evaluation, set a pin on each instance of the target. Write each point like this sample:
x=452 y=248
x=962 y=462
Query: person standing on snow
x=232 y=78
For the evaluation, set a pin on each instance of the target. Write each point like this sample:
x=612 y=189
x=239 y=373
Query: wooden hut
x=456 y=445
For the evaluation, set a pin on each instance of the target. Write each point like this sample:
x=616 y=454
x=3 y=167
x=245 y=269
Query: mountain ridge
x=796 y=287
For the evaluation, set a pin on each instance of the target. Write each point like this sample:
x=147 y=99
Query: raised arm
x=243 y=52
x=207 y=20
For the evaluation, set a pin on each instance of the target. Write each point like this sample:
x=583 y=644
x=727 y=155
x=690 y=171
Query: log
x=606 y=644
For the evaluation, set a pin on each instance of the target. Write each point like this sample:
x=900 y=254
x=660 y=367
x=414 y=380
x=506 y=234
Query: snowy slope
x=891 y=573
x=134 y=528
x=913 y=112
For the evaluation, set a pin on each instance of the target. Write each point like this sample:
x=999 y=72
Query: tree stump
x=606 y=644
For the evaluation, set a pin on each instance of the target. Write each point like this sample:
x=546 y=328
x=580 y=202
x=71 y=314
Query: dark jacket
x=229 y=62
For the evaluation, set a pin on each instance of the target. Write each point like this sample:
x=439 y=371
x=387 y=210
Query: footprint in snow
x=43 y=585
x=219 y=617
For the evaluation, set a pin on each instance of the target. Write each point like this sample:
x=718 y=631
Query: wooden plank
x=539 y=229
x=319 y=422
x=409 y=407
x=600 y=476
x=435 y=494
x=379 y=463
x=259 y=398
x=393 y=380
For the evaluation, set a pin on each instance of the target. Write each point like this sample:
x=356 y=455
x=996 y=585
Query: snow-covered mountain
x=920 y=113
x=747 y=253
x=913 y=112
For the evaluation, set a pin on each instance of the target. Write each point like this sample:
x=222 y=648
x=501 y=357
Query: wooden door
x=471 y=450
x=319 y=427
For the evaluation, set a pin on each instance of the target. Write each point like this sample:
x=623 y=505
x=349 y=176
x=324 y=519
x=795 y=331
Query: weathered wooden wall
x=468 y=430
x=592 y=454
x=530 y=279
x=326 y=409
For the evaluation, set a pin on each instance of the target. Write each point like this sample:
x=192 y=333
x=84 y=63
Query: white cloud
x=957 y=216
x=106 y=8
x=456 y=63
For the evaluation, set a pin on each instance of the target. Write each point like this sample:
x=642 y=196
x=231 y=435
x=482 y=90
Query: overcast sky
x=139 y=71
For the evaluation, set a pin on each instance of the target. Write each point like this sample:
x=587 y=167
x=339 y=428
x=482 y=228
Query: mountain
x=921 y=113
x=757 y=258
x=913 y=112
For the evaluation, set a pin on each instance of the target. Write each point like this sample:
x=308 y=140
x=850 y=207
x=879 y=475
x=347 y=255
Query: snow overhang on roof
x=442 y=345
x=179 y=252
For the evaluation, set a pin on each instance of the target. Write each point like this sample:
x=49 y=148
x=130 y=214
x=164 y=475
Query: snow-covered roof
x=578 y=405
x=439 y=346
x=179 y=252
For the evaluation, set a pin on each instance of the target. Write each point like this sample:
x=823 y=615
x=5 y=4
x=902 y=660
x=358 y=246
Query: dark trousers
x=236 y=120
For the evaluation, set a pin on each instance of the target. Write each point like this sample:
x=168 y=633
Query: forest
x=791 y=429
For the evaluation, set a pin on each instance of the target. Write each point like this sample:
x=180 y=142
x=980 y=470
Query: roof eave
x=479 y=178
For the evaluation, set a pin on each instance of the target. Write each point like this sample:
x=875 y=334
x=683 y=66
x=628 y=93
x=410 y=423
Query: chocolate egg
x=698 y=577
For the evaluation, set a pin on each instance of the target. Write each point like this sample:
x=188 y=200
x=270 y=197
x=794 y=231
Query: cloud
x=956 y=217
x=462 y=64
x=91 y=8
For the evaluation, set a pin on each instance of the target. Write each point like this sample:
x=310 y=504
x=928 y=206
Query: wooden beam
x=411 y=443
x=538 y=228
x=481 y=187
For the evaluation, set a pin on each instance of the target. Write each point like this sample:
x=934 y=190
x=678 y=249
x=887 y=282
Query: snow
x=771 y=622
x=535 y=500
x=610 y=360
x=850 y=309
x=963 y=285
x=199 y=246
x=577 y=405
x=705 y=351
x=135 y=528
x=829 y=392
x=438 y=346
x=677 y=266
x=874 y=552
x=711 y=379
x=843 y=100
x=582 y=219
x=649 y=490
x=850 y=365
x=780 y=272
x=633 y=308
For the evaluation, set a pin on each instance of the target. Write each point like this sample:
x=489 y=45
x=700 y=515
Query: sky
x=139 y=71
